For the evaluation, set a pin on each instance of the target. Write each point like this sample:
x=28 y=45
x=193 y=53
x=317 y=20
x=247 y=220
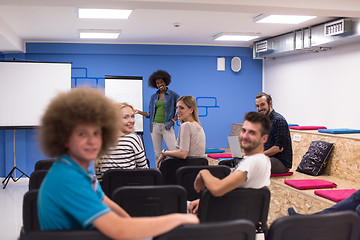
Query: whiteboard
x=26 y=89
x=127 y=89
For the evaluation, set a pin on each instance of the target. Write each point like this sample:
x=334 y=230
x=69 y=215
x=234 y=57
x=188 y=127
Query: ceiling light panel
x=104 y=13
x=282 y=19
x=235 y=37
x=99 y=35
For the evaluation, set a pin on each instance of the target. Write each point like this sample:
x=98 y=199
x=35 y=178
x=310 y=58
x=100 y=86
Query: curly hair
x=75 y=107
x=160 y=74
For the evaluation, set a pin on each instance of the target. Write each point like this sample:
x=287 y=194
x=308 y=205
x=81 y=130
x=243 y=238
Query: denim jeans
x=351 y=203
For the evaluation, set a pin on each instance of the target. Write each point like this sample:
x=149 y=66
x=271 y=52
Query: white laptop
x=235 y=148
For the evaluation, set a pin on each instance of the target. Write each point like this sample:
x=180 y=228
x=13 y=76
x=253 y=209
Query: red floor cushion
x=303 y=184
x=335 y=195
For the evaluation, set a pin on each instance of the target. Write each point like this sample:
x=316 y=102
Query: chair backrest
x=44 y=164
x=36 y=179
x=151 y=200
x=342 y=225
x=240 y=203
x=185 y=177
x=66 y=234
x=169 y=166
x=241 y=229
x=30 y=211
x=115 y=178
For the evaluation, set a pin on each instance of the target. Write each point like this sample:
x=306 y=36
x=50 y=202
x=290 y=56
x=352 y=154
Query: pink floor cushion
x=219 y=155
x=281 y=174
x=303 y=184
x=307 y=127
x=335 y=195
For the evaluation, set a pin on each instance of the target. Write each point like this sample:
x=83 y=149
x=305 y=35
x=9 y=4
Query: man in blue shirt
x=278 y=146
x=77 y=127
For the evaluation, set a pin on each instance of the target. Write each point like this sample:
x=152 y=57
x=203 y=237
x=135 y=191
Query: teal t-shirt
x=69 y=197
x=160 y=111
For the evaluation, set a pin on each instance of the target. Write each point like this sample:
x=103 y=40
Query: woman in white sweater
x=191 y=138
x=129 y=152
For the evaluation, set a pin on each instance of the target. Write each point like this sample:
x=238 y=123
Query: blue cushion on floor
x=339 y=131
x=213 y=150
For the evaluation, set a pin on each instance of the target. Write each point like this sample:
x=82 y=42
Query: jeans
x=351 y=203
x=158 y=134
x=277 y=166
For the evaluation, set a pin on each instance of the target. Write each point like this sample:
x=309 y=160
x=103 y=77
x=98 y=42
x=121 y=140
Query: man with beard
x=253 y=171
x=278 y=146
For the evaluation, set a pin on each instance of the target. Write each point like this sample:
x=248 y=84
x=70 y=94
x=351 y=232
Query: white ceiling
x=152 y=21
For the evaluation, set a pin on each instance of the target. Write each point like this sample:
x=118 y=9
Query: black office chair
x=66 y=234
x=44 y=164
x=141 y=201
x=240 y=203
x=115 y=178
x=36 y=179
x=30 y=213
x=330 y=226
x=185 y=177
x=169 y=166
x=241 y=229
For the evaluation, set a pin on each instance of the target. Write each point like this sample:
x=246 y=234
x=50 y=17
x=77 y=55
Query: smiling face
x=127 y=120
x=84 y=144
x=183 y=112
x=262 y=106
x=250 y=138
x=160 y=84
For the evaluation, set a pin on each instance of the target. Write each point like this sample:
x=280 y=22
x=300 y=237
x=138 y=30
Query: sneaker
x=291 y=212
x=229 y=163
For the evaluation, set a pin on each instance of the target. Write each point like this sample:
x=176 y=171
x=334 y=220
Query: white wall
x=317 y=88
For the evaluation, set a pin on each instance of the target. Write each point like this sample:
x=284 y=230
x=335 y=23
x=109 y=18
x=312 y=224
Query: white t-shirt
x=258 y=168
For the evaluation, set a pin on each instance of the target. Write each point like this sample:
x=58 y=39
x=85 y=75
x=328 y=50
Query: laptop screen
x=235 y=146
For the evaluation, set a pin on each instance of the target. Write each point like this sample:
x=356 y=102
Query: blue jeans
x=351 y=203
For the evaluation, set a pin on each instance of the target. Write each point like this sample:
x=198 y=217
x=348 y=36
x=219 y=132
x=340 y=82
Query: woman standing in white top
x=191 y=139
x=129 y=152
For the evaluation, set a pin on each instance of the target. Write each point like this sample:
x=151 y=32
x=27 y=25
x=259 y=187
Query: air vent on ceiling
x=261 y=46
x=337 y=27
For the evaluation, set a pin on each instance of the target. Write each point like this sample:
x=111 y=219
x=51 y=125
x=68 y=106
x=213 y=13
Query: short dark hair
x=160 y=74
x=262 y=94
x=255 y=117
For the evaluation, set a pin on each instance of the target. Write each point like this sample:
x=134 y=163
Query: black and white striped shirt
x=128 y=154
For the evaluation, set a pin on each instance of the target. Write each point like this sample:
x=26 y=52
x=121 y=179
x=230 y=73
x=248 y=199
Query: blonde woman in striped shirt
x=129 y=152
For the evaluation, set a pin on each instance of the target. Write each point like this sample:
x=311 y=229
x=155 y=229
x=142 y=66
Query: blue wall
x=223 y=97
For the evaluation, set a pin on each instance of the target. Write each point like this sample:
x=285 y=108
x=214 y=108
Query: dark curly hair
x=68 y=110
x=160 y=74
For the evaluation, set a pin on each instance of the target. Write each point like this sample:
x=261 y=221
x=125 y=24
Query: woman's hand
x=145 y=114
x=162 y=157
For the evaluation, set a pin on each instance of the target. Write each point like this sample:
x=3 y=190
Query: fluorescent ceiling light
x=283 y=19
x=240 y=37
x=104 y=13
x=99 y=34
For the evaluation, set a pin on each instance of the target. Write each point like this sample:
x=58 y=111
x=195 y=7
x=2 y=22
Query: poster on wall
x=127 y=89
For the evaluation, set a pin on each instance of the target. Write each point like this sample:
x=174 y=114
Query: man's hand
x=199 y=183
x=194 y=206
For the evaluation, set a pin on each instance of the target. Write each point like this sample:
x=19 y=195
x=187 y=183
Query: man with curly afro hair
x=76 y=128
